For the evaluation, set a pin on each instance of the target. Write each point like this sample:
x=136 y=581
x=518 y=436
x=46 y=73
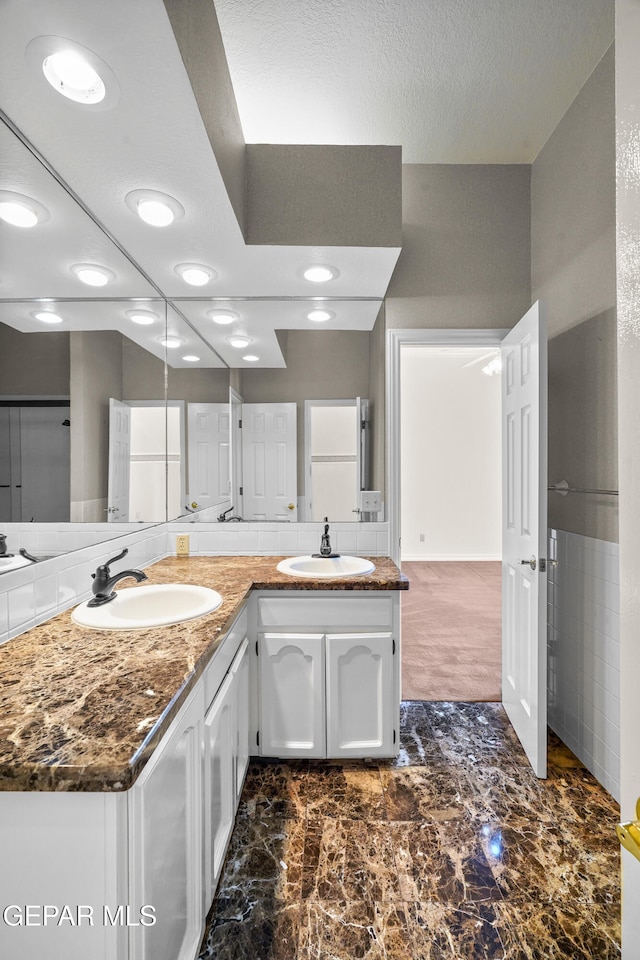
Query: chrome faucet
x=103 y=582
x=325 y=543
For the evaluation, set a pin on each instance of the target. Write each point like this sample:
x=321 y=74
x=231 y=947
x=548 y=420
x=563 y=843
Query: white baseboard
x=473 y=558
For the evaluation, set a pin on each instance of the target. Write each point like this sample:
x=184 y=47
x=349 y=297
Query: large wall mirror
x=115 y=408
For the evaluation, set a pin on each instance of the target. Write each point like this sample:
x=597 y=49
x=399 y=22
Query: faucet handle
x=119 y=557
x=103 y=569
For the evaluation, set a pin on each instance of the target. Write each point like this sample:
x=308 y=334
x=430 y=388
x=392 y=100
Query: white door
x=360 y=695
x=269 y=467
x=524 y=534
x=208 y=444
x=119 y=461
x=235 y=453
x=292 y=695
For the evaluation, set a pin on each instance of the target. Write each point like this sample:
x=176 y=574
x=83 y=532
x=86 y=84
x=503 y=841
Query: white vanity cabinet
x=327 y=674
x=165 y=841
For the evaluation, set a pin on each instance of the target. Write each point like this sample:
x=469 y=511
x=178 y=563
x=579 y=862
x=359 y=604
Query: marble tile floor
x=453 y=850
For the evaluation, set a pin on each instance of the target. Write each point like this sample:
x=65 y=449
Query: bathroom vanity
x=123 y=753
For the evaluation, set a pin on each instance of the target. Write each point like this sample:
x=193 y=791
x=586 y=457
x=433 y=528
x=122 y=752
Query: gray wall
x=465 y=260
x=34 y=364
x=583 y=447
x=573 y=208
x=334 y=195
x=573 y=271
x=96 y=375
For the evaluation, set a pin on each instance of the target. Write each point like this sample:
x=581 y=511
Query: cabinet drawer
x=325 y=611
x=216 y=671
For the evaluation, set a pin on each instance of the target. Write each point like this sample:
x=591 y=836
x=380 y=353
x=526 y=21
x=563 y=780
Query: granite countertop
x=82 y=709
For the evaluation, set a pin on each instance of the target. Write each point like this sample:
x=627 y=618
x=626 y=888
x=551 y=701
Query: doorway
x=448 y=525
x=451 y=524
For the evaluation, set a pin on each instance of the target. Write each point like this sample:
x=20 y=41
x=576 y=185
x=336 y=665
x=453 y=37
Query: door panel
x=119 y=461
x=359 y=694
x=270 y=478
x=209 y=469
x=524 y=595
x=292 y=695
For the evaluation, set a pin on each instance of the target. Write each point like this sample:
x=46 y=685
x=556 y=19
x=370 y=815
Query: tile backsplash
x=34 y=593
x=583 y=651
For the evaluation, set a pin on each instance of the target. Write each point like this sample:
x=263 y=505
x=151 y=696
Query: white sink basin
x=13 y=563
x=326 y=567
x=156 y=605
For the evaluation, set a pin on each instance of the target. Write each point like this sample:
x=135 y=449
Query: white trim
x=437 y=558
x=395 y=339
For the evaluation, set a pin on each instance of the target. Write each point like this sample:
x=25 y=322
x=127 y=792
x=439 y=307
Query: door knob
x=291 y=506
x=532 y=562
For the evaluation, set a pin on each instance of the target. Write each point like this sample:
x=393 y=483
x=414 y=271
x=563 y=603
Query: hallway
x=453 y=851
x=451 y=631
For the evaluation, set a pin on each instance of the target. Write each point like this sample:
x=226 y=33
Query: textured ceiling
x=451 y=81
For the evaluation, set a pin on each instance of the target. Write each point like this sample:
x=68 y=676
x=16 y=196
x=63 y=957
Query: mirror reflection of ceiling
x=148 y=134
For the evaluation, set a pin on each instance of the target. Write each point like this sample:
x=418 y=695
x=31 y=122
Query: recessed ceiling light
x=196 y=274
x=320 y=273
x=239 y=342
x=251 y=357
x=92 y=274
x=155 y=208
x=319 y=316
x=170 y=342
x=191 y=359
x=21 y=211
x=223 y=317
x=70 y=74
x=143 y=317
x=46 y=317
x=74 y=71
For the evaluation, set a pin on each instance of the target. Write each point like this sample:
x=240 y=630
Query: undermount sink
x=156 y=605
x=326 y=567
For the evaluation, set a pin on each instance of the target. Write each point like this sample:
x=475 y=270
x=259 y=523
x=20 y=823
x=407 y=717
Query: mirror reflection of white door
x=235 y=453
x=524 y=534
x=269 y=468
x=208 y=453
x=119 y=444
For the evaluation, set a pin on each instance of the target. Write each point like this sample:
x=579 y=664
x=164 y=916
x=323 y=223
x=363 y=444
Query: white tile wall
x=583 y=647
x=33 y=594
x=279 y=539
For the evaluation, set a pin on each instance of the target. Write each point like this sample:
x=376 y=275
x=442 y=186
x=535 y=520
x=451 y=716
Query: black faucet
x=223 y=516
x=325 y=544
x=3 y=546
x=103 y=582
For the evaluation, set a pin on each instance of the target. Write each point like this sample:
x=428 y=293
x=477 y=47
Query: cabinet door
x=166 y=838
x=219 y=781
x=240 y=671
x=292 y=691
x=360 y=709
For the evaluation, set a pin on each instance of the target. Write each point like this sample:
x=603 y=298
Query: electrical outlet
x=182 y=545
x=370 y=501
x=422 y=538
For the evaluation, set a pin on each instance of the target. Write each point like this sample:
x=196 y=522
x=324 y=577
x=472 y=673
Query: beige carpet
x=451 y=631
